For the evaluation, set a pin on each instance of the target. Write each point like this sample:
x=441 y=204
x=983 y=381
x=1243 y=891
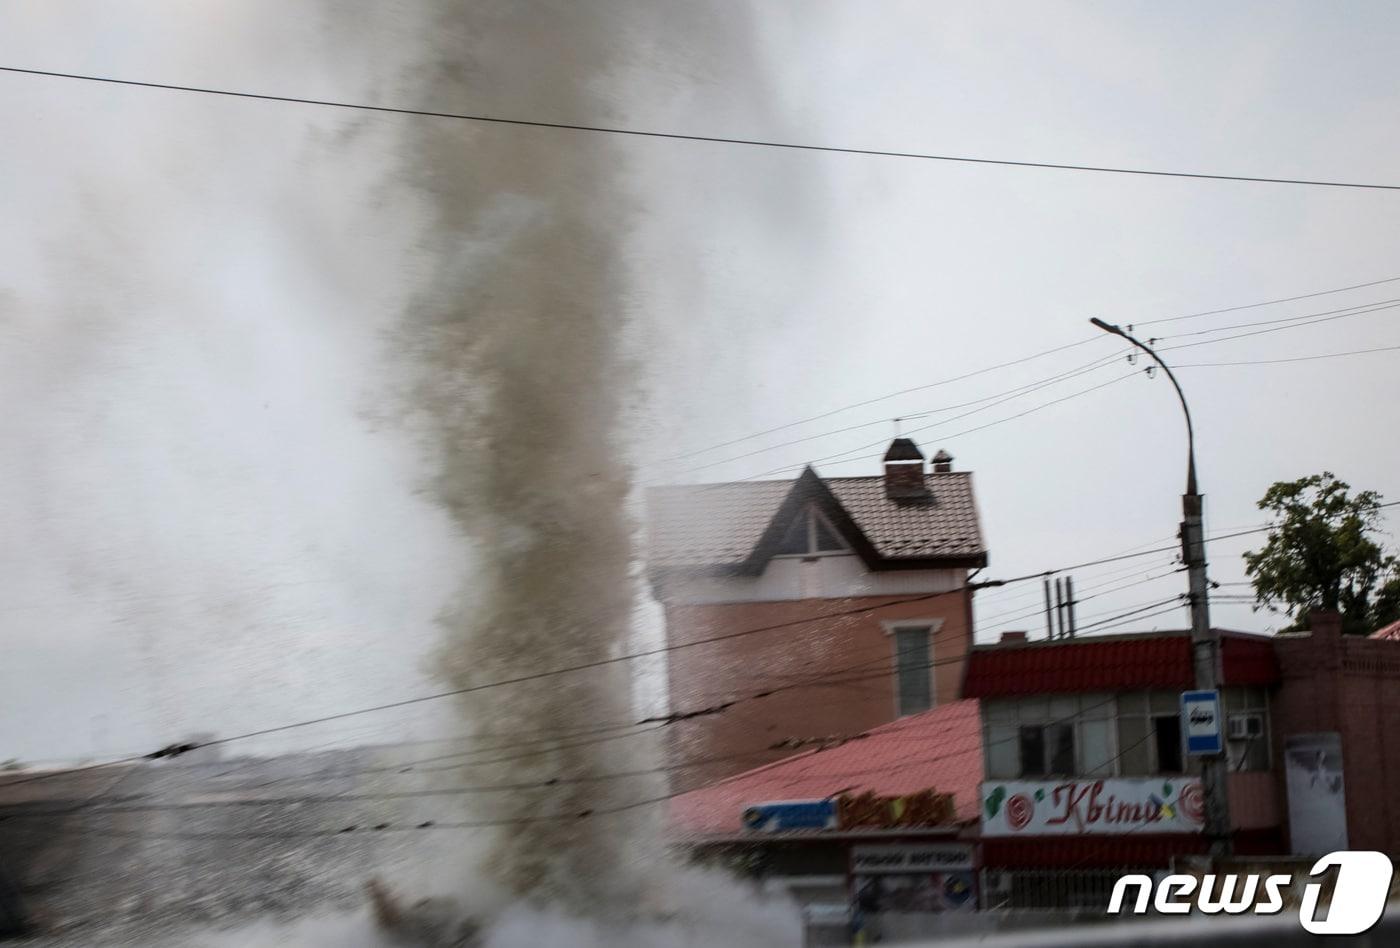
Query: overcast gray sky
x=212 y=522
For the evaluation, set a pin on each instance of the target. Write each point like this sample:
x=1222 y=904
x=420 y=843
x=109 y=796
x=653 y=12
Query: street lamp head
x=1181 y=396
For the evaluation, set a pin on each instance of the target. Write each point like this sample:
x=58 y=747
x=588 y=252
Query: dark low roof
x=725 y=525
x=1111 y=663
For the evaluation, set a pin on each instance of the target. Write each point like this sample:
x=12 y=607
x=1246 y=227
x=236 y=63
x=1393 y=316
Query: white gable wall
x=830 y=576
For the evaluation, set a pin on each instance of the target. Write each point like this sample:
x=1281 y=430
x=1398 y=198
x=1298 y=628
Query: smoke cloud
x=518 y=336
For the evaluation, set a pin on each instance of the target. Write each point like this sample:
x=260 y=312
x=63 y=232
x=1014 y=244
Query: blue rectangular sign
x=1201 y=723
x=781 y=815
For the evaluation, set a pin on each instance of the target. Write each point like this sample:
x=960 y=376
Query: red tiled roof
x=940 y=750
x=1391 y=631
x=1111 y=664
x=1085 y=665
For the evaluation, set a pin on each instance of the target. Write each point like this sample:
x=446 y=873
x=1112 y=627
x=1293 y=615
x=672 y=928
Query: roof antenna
x=896 y=426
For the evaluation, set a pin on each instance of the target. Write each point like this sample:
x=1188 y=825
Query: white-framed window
x=1130 y=734
x=912 y=640
x=1048 y=736
x=811 y=534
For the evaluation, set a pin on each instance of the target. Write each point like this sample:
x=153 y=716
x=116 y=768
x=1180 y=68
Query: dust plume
x=525 y=344
x=522 y=382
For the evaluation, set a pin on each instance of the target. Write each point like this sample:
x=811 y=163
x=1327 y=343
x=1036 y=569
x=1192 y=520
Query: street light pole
x=1205 y=644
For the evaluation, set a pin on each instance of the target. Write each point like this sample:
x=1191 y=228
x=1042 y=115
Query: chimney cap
x=942 y=456
x=903 y=449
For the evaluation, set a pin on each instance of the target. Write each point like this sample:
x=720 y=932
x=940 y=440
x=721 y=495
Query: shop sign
x=1070 y=807
x=911 y=857
x=1200 y=722
x=869 y=811
x=926 y=808
x=781 y=815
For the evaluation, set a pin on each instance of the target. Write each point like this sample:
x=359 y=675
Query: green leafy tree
x=1321 y=554
x=1385 y=608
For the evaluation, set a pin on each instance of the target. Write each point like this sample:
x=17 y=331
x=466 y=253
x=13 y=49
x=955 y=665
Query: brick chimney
x=1325 y=623
x=904 y=471
x=942 y=462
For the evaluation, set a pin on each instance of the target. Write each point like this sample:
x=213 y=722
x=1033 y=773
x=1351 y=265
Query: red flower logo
x=1019 y=811
x=1192 y=803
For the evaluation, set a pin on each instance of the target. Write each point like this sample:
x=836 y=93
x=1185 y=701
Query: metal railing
x=1044 y=890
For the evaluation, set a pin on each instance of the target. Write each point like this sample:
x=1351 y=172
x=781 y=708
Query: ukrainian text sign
x=1080 y=807
x=909 y=857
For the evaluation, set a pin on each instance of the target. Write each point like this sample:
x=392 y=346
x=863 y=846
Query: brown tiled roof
x=717 y=525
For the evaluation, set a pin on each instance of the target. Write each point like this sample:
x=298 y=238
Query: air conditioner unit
x=1245 y=727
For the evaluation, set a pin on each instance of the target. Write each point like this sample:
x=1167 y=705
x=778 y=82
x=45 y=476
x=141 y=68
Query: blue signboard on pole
x=1200 y=722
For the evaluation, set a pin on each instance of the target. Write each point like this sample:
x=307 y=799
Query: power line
x=1025 y=610
x=1037 y=355
x=1022 y=613
x=132 y=804
x=1358 y=310
x=1329 y=355
x=177 y=750
x=1326 y=316
x=679 y=136
x=1261 y=332
x=479 y=824
x=996 y=398
x=1135 y=614
x=1311 y=319
x=1285 y=299
x=881 y=398
x=958 y=434
x=828 y=679
x=1102 y=577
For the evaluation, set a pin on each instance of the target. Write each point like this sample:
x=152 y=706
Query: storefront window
x=1096 y=748
x=1002 y=756
x=1062 y=735
x=1166 y=734
x=1149 y=733
x=1135 y=756
x=1134 y=734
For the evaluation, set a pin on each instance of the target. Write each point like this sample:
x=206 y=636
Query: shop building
x=1088 y=776
x=876 y=835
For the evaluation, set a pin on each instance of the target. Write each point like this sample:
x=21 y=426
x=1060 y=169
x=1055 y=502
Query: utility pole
x=1205 y=644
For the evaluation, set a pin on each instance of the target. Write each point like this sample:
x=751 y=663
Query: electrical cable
x=1284 y=299
x=176 y=750
x=1328 y=355
x=679 y=136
